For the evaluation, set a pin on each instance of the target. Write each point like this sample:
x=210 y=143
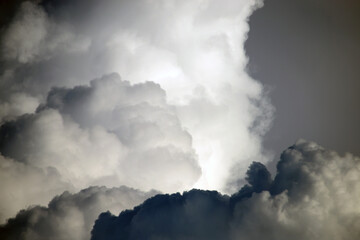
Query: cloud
x=43 y=36
x=122 y=134
x=192 y=49
x=70 y=216
x=314 y=195
x=23 y=185
x=184 y=113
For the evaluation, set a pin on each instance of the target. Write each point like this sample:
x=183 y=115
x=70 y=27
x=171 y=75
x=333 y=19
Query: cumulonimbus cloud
x=184 y=112
x=314 y=195
x=192 y=49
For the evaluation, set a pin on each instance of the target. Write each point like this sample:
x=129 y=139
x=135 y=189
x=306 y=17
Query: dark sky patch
x=307 y=53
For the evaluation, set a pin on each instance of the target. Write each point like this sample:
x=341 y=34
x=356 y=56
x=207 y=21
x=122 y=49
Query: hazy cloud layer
x=313 y=196
x=192 y=49
x=70 y=216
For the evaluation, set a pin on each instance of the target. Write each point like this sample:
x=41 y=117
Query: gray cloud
x=43 y=37
x=70 y=216
x=313 y=196
x=23 y=185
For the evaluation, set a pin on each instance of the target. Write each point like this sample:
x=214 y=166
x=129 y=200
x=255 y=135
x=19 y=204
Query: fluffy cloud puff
x=70 y=216
x=193 y=49
x=110 y=132
x=43 y=36
x=23 y=185
x=313 y=196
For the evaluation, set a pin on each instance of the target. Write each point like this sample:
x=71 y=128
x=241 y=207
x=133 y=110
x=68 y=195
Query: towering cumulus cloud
x=104 y=104
x=149 y=94
x=192 y=113
x=313 y=196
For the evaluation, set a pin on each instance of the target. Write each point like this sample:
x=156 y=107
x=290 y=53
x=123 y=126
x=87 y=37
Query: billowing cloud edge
x=314 y=195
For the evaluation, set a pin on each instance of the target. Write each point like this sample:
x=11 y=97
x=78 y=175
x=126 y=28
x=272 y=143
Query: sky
x=307 y=53
x=201 y=119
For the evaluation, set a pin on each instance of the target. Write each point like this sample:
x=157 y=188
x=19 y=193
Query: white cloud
x=187 y=112
x=111 y=133
x=193 y=49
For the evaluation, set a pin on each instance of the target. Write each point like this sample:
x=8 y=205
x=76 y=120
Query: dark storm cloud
x=308 y=53
x=313 y=196
x=70 y=216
